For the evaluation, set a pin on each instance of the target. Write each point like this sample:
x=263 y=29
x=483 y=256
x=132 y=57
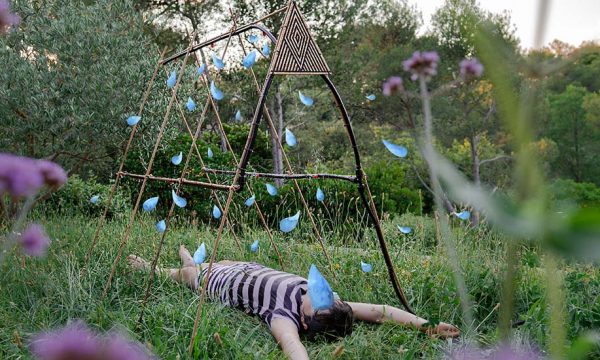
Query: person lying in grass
x=281 y=300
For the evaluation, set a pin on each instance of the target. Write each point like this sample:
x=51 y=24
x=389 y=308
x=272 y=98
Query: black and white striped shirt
x=258 y=290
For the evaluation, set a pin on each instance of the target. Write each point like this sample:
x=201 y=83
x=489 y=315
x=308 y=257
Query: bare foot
x=138 y=263
x=186 y=257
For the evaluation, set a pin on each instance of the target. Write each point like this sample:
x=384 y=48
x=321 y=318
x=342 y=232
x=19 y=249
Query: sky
x=571 y=21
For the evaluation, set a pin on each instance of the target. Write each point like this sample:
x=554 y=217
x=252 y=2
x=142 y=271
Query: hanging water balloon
x=94 y=199
x=463 y=215
x=398 y=150
x=172 y=79
x=290 y=138
x=191 y=105
x=371 y=97
x=266 y=50
x=366 y=267
x=200 y=254
x=178 y=200
x=215 y=92
x=404 y=229
x=216 y=212
x=210 y=153
x=201 y=69
x=250 y=59
x=238 y=116
x=161 y=226
x=254 y=246
x=272 y=190
x=150 y=204
x=320 y=195
x=319 y=291
x=306 y=100
x=176 y=160
x=217 y=61
x=288 y=224
x=134 y=119
x=250 y=201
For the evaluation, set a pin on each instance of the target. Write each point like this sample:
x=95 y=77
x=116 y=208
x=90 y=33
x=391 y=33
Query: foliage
x=72 y=73
x=568 y=194
x=387 y=181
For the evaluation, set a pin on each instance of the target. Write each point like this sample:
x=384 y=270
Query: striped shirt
x=257 y=290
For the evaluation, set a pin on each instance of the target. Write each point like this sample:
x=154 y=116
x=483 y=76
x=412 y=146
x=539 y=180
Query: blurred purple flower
x=22 y=176
x=392 y=85
x=7 y=19
x=470 y=68
x=118 y=347
x=53 y=174
x=422 y=63
x=74 y=341
x=502 y=352
x=34 y=240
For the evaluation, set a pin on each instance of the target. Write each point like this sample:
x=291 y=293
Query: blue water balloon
x=216 y=213
x=200 y=254
x=288 y=224
x=320 y=195
x=404 y=229
x=250 y=201
x=217 y=61
x=272 y=190
x=172 y=79
x=250 y=59
x=238 y=116
x=252 y=38
x=266 y=50
x=319 y=291
x=398 y=150
x=215 y=92
x=176 y=160
x=191 y=105
x=201 y=69
x=366 y=267
x=371 y=97
x=150 y=204
x=254 y=246
x=134 y=119
x=94 y=199
x=210 y=153
x=306 y=100
x=161 y=226
x=463 y=215
x=290 y=138
x=178 y=200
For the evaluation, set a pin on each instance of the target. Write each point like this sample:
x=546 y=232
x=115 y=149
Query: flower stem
x=11 y=237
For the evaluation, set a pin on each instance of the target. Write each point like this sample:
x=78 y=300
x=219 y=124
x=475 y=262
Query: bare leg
x=187 y=274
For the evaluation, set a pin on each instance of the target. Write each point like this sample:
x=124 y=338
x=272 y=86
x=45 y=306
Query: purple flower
x=34 y=240
x=470 y=68
x=392 y=85
x=7 y=19
x=422 y=64
x=118 y=347
x=21 y=176
x=75 y=341
x=54 y=175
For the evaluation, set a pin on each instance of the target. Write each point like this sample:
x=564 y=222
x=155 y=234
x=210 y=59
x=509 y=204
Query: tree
x=72 y=74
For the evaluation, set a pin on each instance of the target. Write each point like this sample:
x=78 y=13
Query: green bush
x=388 y=186
x=74 y=198
x=567 y=193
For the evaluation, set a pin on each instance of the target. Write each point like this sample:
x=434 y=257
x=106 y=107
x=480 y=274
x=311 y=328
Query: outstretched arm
x=375 y=313
x=286 y=334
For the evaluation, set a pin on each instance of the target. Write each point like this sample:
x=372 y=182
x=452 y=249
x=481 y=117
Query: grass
x=45 y=293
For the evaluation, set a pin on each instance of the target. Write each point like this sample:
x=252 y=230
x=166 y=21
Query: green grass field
x=37 y=294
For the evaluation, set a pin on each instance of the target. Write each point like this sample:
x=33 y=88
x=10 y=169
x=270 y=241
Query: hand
x=443 y=330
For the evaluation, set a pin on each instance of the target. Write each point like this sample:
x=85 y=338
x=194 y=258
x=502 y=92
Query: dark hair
x=332 y=323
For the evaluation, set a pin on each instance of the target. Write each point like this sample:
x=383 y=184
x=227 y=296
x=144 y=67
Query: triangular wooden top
x=296 y=51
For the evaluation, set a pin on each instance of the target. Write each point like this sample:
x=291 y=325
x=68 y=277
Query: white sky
x=571 y=21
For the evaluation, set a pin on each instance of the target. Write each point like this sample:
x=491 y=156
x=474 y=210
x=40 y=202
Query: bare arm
x=286 y=334
x=375 y=313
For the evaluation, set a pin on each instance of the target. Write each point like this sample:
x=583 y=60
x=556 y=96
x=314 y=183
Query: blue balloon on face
x=398 y=150
x=200 y=254
x=404 y=229
x=319 y=291
x=288 y=224
x=150 y=204
x=366 y=267
x=254 y=246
